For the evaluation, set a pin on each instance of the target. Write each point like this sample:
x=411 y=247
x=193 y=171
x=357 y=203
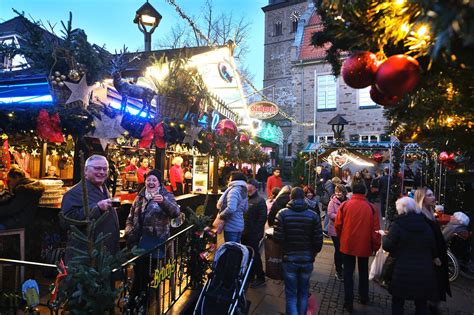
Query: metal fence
x=167 y=270
x=166 y=277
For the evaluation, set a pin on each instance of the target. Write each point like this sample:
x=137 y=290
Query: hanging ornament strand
x=247 y=81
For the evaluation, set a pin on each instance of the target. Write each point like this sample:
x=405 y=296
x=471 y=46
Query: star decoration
x=79 y=91
x=54 y=152
x=11 y=149
x=192 y=134
x=107 y=128
x=34 y=153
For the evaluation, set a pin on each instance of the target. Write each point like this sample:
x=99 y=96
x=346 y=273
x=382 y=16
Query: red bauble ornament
x=451 y=157
x=358 y=71
x=381 y=98
x=443 y=156
x=398 y=75
x=209 y=137
x=226 y=128
x=377 y=157
x=244 y=138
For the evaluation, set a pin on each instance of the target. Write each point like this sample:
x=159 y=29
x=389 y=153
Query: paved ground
x=329 y=293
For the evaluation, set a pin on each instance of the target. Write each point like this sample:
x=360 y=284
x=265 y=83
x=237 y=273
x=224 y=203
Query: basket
x=60 y=93
x=167 y=107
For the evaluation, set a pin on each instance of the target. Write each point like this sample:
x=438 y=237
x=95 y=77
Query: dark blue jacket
x=299 y=231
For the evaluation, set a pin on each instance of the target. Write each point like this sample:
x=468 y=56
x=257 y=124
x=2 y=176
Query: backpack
x=325 y=198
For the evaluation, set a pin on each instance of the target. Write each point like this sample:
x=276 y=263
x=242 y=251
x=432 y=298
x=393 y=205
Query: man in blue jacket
x=298 y=229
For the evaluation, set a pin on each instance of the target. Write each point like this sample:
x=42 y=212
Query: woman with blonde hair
x=425 y=202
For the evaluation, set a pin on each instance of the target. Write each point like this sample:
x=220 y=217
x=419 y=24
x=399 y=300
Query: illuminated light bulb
x=422 y=30
x=405 y=28
x=399 y=2
x=10 y=115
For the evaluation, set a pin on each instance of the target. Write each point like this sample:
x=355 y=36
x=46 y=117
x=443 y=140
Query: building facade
x=299 y=80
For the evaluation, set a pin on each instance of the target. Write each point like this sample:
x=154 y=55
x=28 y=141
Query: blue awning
x=311 y=147
x=27 y=92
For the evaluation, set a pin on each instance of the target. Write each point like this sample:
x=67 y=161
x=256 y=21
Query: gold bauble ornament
x=74 y=75
x=61 y=83
x=63 y=77
x=57 y=73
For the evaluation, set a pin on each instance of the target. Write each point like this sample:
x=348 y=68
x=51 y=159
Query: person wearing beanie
x=232 y=205
x=356 y=225
x=254 y=226
x=148 y=224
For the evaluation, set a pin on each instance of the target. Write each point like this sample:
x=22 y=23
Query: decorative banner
x=163 y=273
x=263 y=110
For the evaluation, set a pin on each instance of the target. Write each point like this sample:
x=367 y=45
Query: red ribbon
x=61 y=275
x=49 y=127
x=149 y=134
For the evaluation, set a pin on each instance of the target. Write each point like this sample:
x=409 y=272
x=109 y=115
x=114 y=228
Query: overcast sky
x=110 y=22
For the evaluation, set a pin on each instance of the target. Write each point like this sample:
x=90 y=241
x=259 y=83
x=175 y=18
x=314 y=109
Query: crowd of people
x=340 y=208
x=343 y=209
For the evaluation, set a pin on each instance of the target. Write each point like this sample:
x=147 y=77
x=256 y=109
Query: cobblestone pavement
x=329 y=293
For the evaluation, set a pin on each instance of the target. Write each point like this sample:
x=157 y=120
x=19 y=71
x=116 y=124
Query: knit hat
x=156 y=173
x=253 y=182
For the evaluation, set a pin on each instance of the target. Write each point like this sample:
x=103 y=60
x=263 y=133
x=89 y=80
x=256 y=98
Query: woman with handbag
x=148 y=225
x=412 y=243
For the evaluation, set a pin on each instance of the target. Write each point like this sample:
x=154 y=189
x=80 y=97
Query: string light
x=247 y=81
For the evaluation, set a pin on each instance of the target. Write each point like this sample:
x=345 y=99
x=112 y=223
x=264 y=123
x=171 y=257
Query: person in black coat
x=412 y=244
x=280 y=202
x=384 y=190
x=262 y=176
x=19 y=209
x=425 y=201
x=254 y=225
x=298 y=230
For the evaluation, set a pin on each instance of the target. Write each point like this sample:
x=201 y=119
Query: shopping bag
x=312 y=308
x=377 y=264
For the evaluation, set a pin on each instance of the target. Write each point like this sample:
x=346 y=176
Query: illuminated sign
x=163 y=273
x=262 y=110
x=270 y=133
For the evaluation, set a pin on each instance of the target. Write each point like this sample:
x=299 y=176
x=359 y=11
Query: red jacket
x=272 y=182
x=176 y=176
x=141 y=172
x=356 y=223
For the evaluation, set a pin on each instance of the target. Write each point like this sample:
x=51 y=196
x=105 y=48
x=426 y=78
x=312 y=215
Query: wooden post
x=215 y=177
x=44 y=152
x=160 y=155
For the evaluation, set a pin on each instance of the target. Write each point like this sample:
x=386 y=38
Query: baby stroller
x=223 y=292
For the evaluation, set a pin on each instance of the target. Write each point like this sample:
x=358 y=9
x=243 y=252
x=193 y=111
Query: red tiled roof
x=307 y=50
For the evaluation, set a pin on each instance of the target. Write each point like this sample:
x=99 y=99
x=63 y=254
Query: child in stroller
x=223 y=292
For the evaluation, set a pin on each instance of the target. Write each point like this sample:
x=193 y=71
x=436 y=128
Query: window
x=18 y=62
x=374 y=139
x=325 y=139
x=289 y=151
x=365 y=138
x=364 y=98
x=278 y=29
x=294 y=26
x=326 y=92
x=310 y=139
x=294 y=17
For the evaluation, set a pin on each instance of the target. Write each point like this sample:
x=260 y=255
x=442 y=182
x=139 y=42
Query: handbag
x=377 y=264
x=218 y=224
x=387 y=270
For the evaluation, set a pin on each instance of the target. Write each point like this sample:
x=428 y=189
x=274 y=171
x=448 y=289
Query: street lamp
x=337 y=124
x=147 y=16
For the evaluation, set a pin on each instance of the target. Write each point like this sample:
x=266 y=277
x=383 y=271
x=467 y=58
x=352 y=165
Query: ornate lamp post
x=337 y=124
x=147 y=16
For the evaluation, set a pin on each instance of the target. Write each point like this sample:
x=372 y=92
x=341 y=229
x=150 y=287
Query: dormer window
x=11 y=63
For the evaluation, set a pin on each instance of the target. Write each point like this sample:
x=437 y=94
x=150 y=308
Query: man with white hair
x=96 y=171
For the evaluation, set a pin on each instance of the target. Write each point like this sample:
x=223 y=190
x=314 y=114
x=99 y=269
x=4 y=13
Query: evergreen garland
x=439 y=113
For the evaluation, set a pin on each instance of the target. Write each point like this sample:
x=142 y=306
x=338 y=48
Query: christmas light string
x=247 y=81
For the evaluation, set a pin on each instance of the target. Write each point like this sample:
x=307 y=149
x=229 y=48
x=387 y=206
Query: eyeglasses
x=99 y=168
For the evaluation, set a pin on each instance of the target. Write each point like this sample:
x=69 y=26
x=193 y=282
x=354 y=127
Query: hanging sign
x=263 y=110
